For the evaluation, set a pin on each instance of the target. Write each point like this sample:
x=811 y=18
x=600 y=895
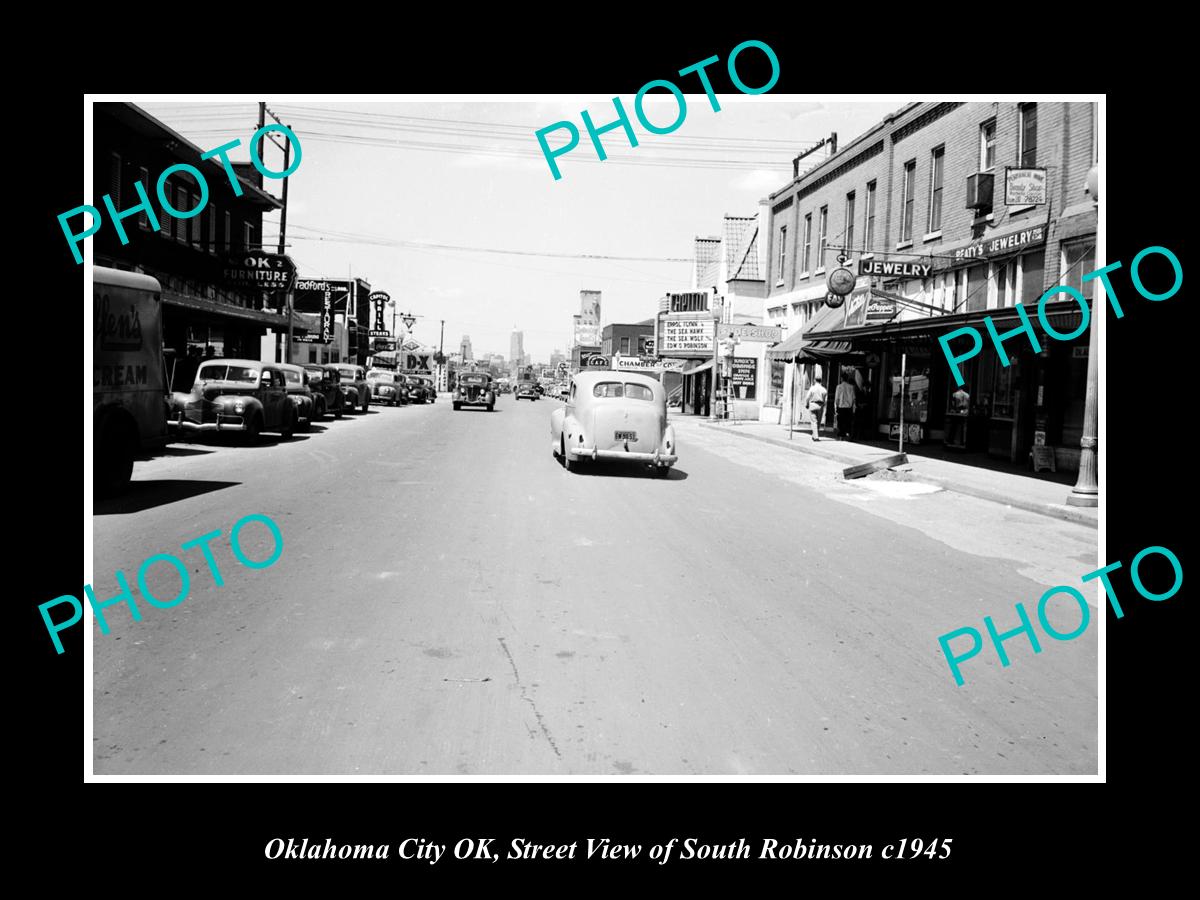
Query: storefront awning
x=695 y=366
x=794 y=344
x=787 y=348
x=226 y=310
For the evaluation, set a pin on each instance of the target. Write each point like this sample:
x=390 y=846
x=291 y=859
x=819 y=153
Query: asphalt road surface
x=449 y=600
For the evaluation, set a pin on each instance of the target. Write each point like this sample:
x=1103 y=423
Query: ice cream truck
x=129 y=414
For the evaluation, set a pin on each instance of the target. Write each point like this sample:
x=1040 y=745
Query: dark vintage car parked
x=474 y=389
x=301 y=393
x=240 y=395
x=526 y=391
x=355 y=389
x=387 y=386
x=326 y=389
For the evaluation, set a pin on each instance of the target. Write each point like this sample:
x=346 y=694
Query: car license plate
x=625 y=435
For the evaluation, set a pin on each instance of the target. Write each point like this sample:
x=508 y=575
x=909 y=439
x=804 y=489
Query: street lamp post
x=1087 y=491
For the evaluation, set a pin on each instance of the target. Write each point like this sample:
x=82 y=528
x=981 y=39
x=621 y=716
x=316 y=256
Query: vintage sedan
x=614 y=415
x=526 y=391
x=326 y=391
x=240 y=395
x=355 y=389
x=386 y=386
x=302 y=395
x=474 y=389
x=418 y=389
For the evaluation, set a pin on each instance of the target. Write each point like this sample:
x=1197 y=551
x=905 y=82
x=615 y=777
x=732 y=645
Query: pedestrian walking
x=843 y=404
x=815 y=401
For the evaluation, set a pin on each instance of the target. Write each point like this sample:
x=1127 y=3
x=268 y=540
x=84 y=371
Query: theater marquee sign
x=687 y=336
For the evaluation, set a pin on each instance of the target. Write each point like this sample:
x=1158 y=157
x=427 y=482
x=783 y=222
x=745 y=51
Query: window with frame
x=849 y=242
x=247 y=236
x=908 y=198
x=807 y=242
x=1027 y=135
x=114 y=180
x=228 y=231
x=782 y=252
x=1033 y=266
x=869 y=237
x=937 y=166
x=624 y=346
x=195 y=223
x=822 y=235
x=1078 y=258
x=987 y=145
x=212 y=213
x=181 y=225
x=166 y=220
x=143 y=219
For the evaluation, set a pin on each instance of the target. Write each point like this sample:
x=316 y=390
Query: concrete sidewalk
x=1032 y=494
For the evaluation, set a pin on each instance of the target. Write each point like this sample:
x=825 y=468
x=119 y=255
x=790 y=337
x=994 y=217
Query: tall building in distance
x=557 y=358
x=516 y=349
x=587 y=331
x=465 y=349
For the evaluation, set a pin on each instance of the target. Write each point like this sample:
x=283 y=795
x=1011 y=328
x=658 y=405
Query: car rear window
x=292 y=377
x=638 y=392
x=608 y=389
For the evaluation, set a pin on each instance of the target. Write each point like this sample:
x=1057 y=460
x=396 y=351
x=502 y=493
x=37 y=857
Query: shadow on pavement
x=173 y=450
x=143 y=495
x=618 y=469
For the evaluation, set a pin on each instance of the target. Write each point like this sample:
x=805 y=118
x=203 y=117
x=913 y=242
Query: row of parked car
x=252 y=396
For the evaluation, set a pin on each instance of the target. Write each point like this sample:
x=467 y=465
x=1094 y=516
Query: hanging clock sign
x=841 y=281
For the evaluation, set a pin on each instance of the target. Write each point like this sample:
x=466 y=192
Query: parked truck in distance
x=129 y=384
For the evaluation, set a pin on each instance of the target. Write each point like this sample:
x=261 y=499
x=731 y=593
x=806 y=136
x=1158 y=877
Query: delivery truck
x=129 y=381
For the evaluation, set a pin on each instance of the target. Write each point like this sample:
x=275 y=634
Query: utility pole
x=1086 y=491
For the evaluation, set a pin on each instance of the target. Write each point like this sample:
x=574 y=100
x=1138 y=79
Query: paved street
x=451 y=601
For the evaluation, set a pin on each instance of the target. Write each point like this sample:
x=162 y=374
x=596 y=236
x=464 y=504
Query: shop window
x=987 y=145
x=935 y=189
x=1027 y=149
x=1079 y=258
x=976 y=288
x=1002 y=392
x=869 y=237
x=1032 y=276
x=778 y=367
x=804 y=259
x=848 y=243
x=907 y=199
x=822 y=235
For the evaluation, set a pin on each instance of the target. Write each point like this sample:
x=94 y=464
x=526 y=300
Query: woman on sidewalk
x=815 y=401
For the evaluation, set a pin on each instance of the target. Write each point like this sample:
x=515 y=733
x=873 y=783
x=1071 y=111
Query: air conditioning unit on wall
x=979 y=190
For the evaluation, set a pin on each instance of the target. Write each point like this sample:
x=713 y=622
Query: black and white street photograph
x=710 y=431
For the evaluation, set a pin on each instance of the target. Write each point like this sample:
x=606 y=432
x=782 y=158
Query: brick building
x=201 y=313
x=627 y=340
x=917 y=205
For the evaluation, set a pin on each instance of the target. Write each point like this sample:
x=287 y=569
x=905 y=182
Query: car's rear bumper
x=657 y=457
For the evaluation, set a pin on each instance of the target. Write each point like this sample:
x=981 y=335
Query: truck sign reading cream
x=128 y=379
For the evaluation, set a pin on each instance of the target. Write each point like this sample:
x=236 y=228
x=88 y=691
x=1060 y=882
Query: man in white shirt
x=815 y=401
x=843 y=404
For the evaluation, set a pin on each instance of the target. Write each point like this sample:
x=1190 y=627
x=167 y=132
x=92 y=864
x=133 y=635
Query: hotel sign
x=997 y=246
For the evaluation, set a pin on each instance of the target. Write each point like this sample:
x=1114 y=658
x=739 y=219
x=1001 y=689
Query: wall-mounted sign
x=690 y=336
x=840 y=281
x=689 y=301
x=379 y=332
x=1024 y=187
x=743 y=370
x=257 y=269
x=879 y=310
x=1006 y=243
x=763 y=334
x=893 y=269
x=595 y=361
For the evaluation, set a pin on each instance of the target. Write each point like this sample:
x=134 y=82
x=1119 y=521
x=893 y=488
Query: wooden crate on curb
x=886 y=462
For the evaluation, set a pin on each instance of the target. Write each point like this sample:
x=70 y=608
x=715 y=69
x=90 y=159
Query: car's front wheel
x=253 y=429
x=289 y=427
x=489 y=407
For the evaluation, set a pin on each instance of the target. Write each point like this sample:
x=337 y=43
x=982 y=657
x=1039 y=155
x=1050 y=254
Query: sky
x=379 y=182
